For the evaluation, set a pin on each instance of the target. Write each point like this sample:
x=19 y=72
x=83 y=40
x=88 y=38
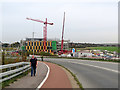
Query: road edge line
x=44 y=78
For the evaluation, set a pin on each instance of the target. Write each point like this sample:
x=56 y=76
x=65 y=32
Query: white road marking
x=101 y=62
x=73 y=61
x=97 y=61
x=44 y=78
x=96 y=66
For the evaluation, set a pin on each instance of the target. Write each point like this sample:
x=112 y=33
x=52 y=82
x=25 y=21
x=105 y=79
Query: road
x=91 y=74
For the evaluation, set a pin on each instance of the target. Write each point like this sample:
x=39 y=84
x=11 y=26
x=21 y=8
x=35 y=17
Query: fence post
x=3 y=58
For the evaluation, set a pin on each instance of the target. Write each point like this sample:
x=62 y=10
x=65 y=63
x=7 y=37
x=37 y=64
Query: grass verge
x=76 y=79
x=8 y=82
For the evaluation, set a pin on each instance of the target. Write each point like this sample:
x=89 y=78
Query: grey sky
x=86 y=20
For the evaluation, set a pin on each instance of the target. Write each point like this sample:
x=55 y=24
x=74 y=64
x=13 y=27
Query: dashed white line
x=96 y=67
x=98 y=61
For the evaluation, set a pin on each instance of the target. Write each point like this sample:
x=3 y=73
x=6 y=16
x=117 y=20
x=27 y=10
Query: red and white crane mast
x=44 y=29
x=62 y=33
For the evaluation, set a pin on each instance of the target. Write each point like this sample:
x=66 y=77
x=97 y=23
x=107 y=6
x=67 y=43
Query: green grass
x=10 y=60
x=13 y=60
x=9 y=48
x=112 y=49
x=104 y=48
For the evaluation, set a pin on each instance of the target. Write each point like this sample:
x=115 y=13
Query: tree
x=3 y=58
x=5 y=44
x=16 y=44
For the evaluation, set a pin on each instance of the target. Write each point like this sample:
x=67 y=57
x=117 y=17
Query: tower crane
x=62 y=34
x=44 y=29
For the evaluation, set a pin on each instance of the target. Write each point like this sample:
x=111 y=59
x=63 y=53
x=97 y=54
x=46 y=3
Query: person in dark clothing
x=42 y=58
x=33 y=64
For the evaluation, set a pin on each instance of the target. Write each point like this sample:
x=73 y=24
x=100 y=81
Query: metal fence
x=11 y=70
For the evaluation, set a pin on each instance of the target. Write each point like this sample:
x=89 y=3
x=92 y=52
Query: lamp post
x=33 y=43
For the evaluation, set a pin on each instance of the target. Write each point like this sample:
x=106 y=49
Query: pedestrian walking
x=33 y=63
x=42 y=57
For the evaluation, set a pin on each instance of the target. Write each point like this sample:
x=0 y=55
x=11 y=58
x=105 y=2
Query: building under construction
x=52 y=46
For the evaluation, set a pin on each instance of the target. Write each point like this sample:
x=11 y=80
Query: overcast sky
x=93 y=21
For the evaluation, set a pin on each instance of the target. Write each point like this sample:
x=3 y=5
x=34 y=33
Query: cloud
x=85 y=22
x=60 y=1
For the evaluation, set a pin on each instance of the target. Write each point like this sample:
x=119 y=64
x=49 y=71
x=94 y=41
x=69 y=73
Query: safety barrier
x=11 y=70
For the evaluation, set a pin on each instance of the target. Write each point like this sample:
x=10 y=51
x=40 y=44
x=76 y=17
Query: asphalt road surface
x=91 y=74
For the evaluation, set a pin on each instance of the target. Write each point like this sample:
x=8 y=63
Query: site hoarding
x=54 y=45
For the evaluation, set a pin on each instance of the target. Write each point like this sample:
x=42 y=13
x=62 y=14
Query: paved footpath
x=57 y=78
x=31 y=82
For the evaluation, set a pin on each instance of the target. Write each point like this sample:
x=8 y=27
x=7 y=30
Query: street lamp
x=33 y=34
x=33 y=42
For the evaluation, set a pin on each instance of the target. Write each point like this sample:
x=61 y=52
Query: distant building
x=65 y=45
x=52 y=46
x=38 y=45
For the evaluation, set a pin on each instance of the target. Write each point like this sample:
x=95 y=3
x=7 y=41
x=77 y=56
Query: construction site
x=45 y=44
